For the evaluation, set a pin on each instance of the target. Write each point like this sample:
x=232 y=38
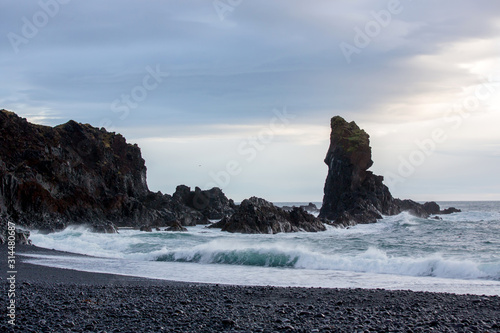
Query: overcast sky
x=239 y=93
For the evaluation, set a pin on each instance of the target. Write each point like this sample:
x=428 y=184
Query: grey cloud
x=263 y=55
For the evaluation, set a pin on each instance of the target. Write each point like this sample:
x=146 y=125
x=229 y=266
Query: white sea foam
x=377 y=261
x=461 y=247
x=80 y=240
x=264 y=276
x=236 y=251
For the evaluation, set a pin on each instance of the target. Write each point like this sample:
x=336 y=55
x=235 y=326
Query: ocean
x=458 y=254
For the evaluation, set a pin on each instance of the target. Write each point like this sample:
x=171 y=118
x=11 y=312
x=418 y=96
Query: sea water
x=458 y=254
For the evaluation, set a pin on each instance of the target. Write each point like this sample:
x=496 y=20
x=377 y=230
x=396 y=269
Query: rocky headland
x=52 y=177
x=354 y=195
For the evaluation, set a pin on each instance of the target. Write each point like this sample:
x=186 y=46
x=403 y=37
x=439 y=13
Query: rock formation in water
x=310 y=208
x=258 y=216
x=211 y=204
x=433 y=208
x=352 y=194
x=73 y=173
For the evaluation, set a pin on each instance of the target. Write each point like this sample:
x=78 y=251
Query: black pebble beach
x=59 y=300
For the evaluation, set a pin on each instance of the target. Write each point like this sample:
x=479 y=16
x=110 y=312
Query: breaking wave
x=371 y=261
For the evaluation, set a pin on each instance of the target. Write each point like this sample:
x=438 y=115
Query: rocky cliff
x=73 y=173
x=352 y=194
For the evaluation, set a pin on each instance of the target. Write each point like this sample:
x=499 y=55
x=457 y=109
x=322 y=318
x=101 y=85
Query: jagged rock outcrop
x=176 y=226
x=73 y=173
x=258 y=216
x=352 y=194
x=209 y=204
x=449 y=210
x=434 y=209
x=310 y=208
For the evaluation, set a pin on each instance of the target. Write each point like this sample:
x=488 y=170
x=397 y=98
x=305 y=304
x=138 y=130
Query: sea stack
x=352 y=194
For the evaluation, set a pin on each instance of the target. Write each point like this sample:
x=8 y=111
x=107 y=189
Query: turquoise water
x=460 y=253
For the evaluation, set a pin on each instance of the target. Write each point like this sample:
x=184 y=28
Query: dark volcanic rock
x=204 y=221
x=212 y=204
x=176 y=226
x=450 y=210
x=73 y=173
x=412 y=207
x=310 y=208
x=146 y=228
x=258 y=216
x=352 y=194
x=432 y=207
x=104 y=229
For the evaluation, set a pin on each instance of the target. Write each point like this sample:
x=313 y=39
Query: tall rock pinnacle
x=352 y=194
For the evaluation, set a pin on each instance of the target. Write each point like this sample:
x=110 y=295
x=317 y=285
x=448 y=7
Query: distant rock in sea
x=310 y=208
x=352 y=194
x=434 y=209
x=258 y=216
x=176 y=227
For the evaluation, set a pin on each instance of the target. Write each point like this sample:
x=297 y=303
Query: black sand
x=58 y=300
